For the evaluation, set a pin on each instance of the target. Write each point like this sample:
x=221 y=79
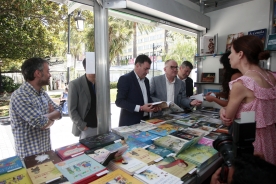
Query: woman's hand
x=209 y=98
x=226 y=121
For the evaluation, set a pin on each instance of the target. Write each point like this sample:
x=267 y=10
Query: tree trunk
x=165 y=42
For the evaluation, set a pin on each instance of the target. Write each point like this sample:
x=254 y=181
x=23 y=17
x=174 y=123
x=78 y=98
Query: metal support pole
x=153 y=59
x=68 y=51
x=102 y=68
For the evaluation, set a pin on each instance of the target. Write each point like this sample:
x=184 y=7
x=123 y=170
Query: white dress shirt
x=144 y=92
x=170 y=90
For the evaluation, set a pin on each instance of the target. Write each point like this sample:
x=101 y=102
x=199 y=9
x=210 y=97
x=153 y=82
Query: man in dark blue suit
x=134 y=93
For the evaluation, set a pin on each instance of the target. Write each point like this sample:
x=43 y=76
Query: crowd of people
x=251 y=88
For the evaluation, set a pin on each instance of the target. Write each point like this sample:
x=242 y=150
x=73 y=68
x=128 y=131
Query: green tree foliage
x=182 y=47
x=29 y=28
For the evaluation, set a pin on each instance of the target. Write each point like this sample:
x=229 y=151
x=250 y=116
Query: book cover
x=160 y=104
x=171 y=142
x=127 y=164
x=212 y=135
x=44 y=173
x=161 y=151
x=143 y=127
x=113 y=147
x=71 y=150
x=211 y=90
x=100 y=155
x=144 y=156
x=182 y=114
x=184 y=135
x=207 y=45
x=271 y=43
x=261 y=33
x=210 y=110
x=208 y=77
x=10 y=164
x=210 y=124
x=115 y=155
x=47 y=156
x=230 y=39
x=186 y=122
x=164 y=129
x=80 y=169
x=175 y=166
x=19 y=176
x=134 y=143
x=195 y=132
x=154 y=121
x=99 y=141
x=154 y=175
x=145 y=137
x=198 y=154
x=198 y=117
x=118 y=176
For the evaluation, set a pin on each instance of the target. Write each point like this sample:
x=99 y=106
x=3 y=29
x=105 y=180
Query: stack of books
x=127 y=164
x=71 y=151
x=81 y=169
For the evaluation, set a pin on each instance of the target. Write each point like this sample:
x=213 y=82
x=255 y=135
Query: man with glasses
x=168 y=87
x=134 y=94
x=183 y=74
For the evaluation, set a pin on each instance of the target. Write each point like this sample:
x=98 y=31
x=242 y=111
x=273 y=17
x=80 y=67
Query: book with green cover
x=175 y=166
x=198 y=154
x=163 y=152
x=19 y=177
x=173 y=143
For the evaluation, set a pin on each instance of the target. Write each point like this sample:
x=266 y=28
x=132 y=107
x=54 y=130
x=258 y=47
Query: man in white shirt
x=168 y=87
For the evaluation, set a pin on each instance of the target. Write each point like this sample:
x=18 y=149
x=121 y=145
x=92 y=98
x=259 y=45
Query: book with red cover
x=47 y=156
x=71 y=150
x=81 y=169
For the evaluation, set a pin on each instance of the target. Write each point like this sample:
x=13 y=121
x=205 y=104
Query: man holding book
x=168 y=87
x=32 y=111
x=134 y=94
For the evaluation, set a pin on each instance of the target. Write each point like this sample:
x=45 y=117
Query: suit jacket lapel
x=165 y=86
x=177 y=87
x=85 y=87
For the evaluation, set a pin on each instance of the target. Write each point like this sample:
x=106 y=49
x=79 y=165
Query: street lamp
x=80 y=27
x=154 y=48
x=79 y=22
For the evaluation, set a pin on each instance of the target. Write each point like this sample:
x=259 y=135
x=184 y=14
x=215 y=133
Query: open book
x=168 y=107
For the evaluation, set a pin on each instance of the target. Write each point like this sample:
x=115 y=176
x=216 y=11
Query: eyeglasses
x=174 y=67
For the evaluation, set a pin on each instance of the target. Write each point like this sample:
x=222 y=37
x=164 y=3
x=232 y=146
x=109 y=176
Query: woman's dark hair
x=252 y=47
x=227 y=73
x=29 y=67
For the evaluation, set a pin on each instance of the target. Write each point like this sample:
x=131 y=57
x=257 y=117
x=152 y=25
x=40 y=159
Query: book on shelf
x=176 y=166
x=144 y=156
x=117 y=176
x=164 y=129
x=230 y=39
x=153 y=175
x=10 y=164
x=104 y=156
x=161 y=151
x=145 y=137
x=134 y=143
x=71 y=150
x=199 y=154
x=261 y=33
x=44 y=173
x=101 y=140
x=127 y=164
x=37 y=159
x=211 y=90
x=207 y=45
x=19 y=176
x=208 y=77
x=81 y=169
x=271 y=43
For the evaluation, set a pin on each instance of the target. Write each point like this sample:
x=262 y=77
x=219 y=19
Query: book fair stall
x=173 y=148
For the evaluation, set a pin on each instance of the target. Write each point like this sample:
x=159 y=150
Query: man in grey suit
x=168 y=87
x=82 y=105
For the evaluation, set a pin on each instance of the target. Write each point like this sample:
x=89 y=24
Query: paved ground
x=60 y=132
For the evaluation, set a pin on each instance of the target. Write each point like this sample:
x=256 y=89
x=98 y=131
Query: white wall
x=244 y=17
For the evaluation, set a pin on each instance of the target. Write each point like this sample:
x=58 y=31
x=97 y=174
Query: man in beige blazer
x=82 y=105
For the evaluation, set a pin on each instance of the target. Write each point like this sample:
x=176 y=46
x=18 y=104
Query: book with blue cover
x=133 y=143
x=81 y=169
x=261 y=33
x=164 y=129
x=145 y=137
x=161 y=151
x=10 y=164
